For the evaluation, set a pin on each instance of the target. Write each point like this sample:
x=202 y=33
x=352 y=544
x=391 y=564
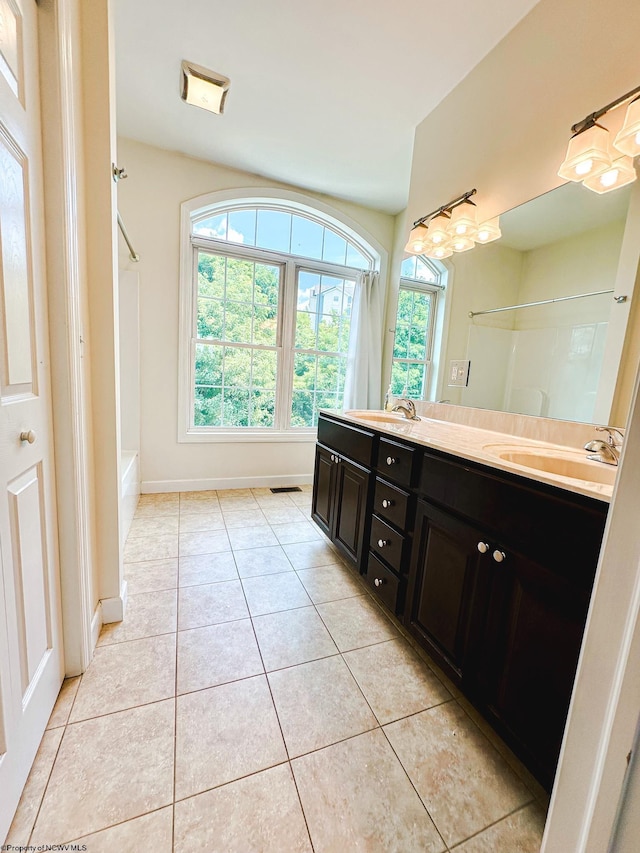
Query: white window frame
x=420 y=286
x=210 y=205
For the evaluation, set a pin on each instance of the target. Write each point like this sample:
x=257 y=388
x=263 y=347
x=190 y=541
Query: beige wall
x=504 y=129
x=149 y=201
x=579 y=264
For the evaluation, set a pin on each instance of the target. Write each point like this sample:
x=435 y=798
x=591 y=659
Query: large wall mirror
x=540 y=359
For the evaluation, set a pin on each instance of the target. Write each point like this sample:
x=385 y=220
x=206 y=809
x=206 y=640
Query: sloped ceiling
x=324 y=96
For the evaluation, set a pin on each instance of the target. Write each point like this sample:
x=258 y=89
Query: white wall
x=551 y=364
x=149 y=202
x=579 y=264
x=129 y=337
x=482 y=278
x=505 y=127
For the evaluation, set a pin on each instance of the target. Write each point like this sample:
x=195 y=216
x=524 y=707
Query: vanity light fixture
x=591 y=157
x=418 y=240
x=628 y=138
x=204 y=88
x=489 y=231
x=451 y=228
x=464 y=221
x=439 y=228
x=619 y=174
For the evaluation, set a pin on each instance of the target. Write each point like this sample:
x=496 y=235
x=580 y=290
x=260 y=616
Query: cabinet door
x=445 y=579
x=323 y=487
x=527 y=657
x=351 y=502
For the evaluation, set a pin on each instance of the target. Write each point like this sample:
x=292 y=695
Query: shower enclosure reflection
x=544 y=356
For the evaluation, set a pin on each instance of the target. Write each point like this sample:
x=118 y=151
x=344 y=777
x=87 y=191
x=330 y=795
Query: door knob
x=378 y=581
x=28 y=435
x=499 y=556
x=483 y=547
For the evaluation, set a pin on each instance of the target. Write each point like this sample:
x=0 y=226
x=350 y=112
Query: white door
x=30 y=630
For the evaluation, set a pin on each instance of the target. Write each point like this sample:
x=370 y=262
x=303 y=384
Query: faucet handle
x=610 y=439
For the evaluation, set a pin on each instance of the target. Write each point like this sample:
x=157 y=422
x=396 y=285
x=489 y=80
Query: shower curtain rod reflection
x=132 y=252
x=546 y=302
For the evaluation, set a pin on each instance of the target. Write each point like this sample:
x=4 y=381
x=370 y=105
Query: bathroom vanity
x=488 y=564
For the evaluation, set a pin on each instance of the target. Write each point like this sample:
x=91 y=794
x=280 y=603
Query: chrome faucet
x=605 y=451
x=408 y=409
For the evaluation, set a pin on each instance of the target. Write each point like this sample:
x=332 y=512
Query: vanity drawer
x=353 y=442
x=391 y=503
x=384 y=583
x=396 y=461
x=392 y=545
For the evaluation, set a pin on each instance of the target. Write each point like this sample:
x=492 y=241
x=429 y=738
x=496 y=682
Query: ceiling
x=324 y=96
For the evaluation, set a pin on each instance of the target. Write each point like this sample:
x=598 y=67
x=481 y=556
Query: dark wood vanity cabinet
x=445 y=585
x=342 y=489
x=491 y=572
x=501 y=576
x=525 y=657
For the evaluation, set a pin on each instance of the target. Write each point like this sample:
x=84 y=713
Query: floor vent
x=278 y=489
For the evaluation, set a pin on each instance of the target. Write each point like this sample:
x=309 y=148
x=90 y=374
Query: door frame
x=66 y=265
x=603 y=714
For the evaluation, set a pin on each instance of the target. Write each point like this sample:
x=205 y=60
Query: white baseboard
x=96 y=626
x=149 y=487
x=113 y=609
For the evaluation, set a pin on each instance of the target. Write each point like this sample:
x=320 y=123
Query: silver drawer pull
x=386 y=504
x=499 y=556
x=382 y=543
x=483 y=547
x=378 y=581
x=391 y=460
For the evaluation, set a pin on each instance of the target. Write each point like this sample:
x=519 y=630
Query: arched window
x=268 y=288
x=421 y=281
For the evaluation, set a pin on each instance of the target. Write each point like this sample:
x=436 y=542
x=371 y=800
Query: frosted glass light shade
x=443 y=250
x=204 y=88
x=418 y=240
x=463 y=222
x=439 y=229
x=587 y=153
x=462 y=244
x=619 y=174
x=489 y=231
x=628 y=138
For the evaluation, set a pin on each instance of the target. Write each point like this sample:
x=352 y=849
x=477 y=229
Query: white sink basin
x=572 y=465
x=375 y=415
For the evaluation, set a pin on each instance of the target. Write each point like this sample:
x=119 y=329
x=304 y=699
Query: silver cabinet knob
x=386 y=504
x=382 y=543
x=378 y=581
x=28 y=435
x=335 y=458
x=483 y=547
x=391 y=460
x=499 y=556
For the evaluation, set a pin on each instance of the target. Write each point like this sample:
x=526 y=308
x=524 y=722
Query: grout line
x=102 y=829
x=493 y=823
x=401 y=635
x=53 y=764
x=275 y=709
x=424 y=805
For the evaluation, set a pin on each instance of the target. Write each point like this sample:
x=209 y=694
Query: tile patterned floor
x=256 y=698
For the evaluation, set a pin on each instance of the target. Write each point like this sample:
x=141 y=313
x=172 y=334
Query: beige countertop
x=554 y=464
